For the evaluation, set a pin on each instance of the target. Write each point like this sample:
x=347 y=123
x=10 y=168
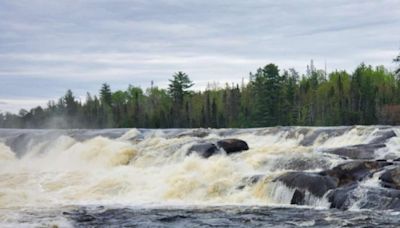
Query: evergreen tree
x=370 y=95
x=268 y=90
x=178 y=88
x=106 y=114
x=397 y=71
x=105 y=94
x=70 y=104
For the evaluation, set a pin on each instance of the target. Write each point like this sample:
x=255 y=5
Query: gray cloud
x=47 y=47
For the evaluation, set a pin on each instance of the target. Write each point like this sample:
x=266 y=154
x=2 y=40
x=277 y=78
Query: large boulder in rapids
x=391 y=178
x=343 y=175
x=232 y=145
x=204 y=150
x=314 y=183
x=361 y=151
x=383 y=136
x=364 y=151
x=364 y=198
x=354 y=171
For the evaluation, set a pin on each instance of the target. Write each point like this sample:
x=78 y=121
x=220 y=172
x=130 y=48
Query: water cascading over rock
x=335 y=167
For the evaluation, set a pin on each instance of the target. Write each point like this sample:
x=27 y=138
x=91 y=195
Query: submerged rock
x=250 y=180
x=198 y=133
x=311 y=135
x=350 y=172
x=364 y=198
x=233 y=145
x=21 y=141
x=297 y=163
x=339 y=198
x=314 y=183
x=204 y=150
x=383 y=137
x=361 y=151
x=391 y=178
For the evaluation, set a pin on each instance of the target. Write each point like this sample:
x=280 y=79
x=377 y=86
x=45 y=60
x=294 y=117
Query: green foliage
x=105 y=94
x=397 y=71
x=179 y=89
x=268 y=91
x=179 y=86
x=370 y=95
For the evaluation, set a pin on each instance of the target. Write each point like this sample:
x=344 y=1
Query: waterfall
x=148 y=167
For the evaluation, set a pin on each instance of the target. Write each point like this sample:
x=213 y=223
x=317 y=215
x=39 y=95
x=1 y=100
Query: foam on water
x=142 y=167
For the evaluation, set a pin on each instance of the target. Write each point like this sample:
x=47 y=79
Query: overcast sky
x=48 y=46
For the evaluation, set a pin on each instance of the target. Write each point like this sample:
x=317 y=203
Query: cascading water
x=141 y=168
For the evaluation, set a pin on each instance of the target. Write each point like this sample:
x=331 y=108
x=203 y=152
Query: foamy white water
x=137 y=167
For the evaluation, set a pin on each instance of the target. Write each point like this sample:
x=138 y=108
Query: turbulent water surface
x=289 y=176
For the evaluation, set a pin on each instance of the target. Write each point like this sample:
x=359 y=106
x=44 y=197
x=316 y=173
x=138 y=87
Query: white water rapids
x=52 y=168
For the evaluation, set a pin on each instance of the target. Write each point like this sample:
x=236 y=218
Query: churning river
x=281 y=176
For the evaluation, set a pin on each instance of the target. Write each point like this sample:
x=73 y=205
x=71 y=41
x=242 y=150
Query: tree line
x=272 y=97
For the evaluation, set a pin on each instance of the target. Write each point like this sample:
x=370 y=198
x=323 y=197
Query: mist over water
x=59 y=172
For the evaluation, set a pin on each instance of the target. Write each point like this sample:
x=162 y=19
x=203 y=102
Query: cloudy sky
x=48 y=46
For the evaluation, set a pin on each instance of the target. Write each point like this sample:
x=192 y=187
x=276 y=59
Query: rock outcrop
x=391 y=178
x=339 y=182
x=208 y=149
x=204 y=150
x=232 y=145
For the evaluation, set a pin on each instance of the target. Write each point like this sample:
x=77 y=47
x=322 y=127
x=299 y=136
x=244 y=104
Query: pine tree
x=106 y=119
x=179 y=88
x=105 y=94
x=268 y=85
x=397 y=71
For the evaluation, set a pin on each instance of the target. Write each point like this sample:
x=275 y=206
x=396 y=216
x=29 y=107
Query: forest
x=272 y=97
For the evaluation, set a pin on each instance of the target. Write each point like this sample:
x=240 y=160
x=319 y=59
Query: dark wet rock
x=298 y=197
x=339 y=198
x=314 y=183
x=364 y=151
x=391 y=178
x=230 y=146
x=20 y=141
x=173 y=218
x=313 y=134
x=309 y=138
x=18 y=144
x=383 y=136
x=233 y=145
x=361 y=151
x=341 y=179
x=204 y=150
x=350 y=172
x=364 y=197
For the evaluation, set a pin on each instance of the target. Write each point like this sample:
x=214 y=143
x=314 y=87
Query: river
x=145 y=177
